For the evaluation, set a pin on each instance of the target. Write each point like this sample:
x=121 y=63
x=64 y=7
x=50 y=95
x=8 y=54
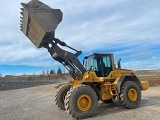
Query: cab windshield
x=90 y=63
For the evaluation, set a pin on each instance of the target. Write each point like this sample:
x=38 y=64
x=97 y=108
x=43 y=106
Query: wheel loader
x=97 y=79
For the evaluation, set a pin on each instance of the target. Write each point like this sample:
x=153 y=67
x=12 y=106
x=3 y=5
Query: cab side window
x=107 y=65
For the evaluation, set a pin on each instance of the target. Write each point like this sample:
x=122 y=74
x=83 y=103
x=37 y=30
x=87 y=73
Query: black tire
x=108 y=101
x=75 y=105
x=130 y=95
x=60 y=95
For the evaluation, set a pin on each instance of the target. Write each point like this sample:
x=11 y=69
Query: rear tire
x=81 y=102
x=60 y=95
x=130 y=95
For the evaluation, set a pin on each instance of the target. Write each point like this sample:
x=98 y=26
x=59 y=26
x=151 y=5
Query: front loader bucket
x=39 y=21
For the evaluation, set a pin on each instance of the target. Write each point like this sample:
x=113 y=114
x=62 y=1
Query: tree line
x=59 y=71
x=44 y=72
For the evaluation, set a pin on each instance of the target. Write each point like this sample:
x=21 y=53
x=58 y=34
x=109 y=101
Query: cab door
x=106 y=65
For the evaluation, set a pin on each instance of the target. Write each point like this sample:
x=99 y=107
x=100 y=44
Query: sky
x=128 y=28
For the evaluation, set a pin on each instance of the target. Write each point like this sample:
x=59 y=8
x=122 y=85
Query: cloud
x=128 y=28
x=141 y=65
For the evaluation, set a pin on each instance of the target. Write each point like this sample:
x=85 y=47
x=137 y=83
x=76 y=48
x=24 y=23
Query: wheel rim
x=132 y=94
x=84 y=102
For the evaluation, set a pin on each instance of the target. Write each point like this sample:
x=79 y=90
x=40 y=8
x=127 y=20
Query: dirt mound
x=153 y=76
x=16 y=82
x=148 y=73
x=36 y=78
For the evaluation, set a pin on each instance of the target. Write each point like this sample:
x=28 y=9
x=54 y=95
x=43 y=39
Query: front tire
x=130 y=94
x=60 y=95
x=81 y=102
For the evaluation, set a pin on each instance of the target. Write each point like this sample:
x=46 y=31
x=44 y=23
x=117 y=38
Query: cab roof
x=99 y=53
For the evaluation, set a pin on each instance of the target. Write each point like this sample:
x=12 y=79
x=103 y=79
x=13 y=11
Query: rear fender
x=128 y=78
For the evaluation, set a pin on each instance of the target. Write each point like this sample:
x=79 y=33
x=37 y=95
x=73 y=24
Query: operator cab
x=101 y=63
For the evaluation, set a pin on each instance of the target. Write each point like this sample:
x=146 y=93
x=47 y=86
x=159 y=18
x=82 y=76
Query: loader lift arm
x=38 y=23
x=68 y=59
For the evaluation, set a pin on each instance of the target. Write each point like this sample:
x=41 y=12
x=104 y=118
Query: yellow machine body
x=109 y=86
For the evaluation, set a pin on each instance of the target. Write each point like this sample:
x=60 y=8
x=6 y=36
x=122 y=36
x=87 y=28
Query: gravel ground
x=37 y=103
